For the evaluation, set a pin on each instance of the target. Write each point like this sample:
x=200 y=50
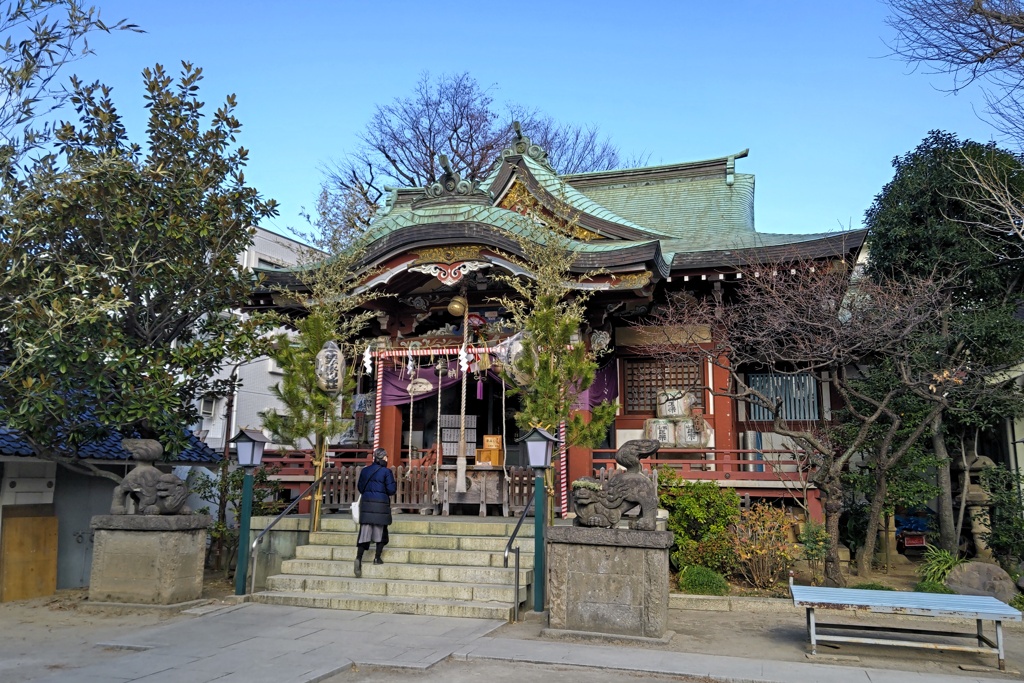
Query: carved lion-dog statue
x=597 y=507
x=154 y=492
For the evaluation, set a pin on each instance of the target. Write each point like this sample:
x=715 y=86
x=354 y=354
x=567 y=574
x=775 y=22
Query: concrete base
x=607 y=638
x=277 y=546
x=611 y=582
x=148 y=560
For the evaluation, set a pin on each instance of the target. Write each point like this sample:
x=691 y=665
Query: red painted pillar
x=724 y=419
x=390 y=438
x=814 y=507
x=581 y=459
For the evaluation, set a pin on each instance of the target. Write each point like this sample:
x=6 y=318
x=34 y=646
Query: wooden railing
x=773 y=472
x=520 y=489
x=295 y=464
x=415 y=487
x=784 y=466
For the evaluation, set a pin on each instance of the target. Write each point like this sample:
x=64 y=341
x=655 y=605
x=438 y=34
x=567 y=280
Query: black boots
x=377 y=560
x=359 y=566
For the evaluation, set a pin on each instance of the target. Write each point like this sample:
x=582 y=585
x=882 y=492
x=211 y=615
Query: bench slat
x=902 y=602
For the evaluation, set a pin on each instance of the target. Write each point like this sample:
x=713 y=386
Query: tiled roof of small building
x=11 y=443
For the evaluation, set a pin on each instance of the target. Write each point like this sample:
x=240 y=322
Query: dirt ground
x=56 y=633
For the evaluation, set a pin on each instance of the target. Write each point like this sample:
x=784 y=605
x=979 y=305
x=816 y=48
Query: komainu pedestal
x=608 y=581
x=150 y=560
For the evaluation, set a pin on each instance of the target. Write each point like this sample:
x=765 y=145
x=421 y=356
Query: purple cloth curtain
x=606 y=384
x=604 y=388
x=396 y=386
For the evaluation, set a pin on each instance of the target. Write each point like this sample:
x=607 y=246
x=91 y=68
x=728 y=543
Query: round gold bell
x=457 y=306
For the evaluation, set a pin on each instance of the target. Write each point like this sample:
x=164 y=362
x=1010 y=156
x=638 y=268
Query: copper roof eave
x=472 y=232
x=550 y=202
x=647 y=255
x=840 y=245
x=706 y=167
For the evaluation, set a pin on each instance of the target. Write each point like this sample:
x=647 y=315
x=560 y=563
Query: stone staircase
x=439 y=567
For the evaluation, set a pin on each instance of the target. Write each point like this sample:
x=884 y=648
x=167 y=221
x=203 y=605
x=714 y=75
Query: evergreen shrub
x=701 y=515
x=698 y=580
x=937 y=565
x=932 y=587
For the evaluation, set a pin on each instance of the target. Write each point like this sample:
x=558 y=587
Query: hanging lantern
x=457 y=306
x=329 y=368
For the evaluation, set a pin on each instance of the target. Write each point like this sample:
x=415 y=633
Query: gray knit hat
x=380 y=455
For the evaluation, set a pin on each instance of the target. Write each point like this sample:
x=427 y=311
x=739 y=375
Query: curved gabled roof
x=560 y=192
x=694 y=215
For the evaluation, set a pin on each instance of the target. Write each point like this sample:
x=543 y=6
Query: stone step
x=441 y=590
x=407 y=572
x=488 y=543
x=387 y=605
x=437 y=527
x=460 y=558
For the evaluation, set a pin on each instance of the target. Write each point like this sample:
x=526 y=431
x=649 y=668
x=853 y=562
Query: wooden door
x=28 y=552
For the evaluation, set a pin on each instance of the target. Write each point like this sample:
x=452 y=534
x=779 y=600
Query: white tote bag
x=355 y=509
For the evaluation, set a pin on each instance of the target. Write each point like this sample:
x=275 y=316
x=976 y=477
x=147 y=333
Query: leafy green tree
x=1005 y=535
x=919 y=228
x=550 y=312
x=153 y=230
x=40 y=38
x=308 y=413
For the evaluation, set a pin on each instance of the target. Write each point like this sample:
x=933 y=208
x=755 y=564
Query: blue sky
x=808 y=87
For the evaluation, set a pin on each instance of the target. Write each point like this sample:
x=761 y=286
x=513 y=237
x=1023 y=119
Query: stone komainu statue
x=597 y=507
x=154 y=492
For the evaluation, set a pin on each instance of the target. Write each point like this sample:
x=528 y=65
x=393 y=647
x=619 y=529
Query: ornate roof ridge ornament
x=451 y=184
x=523 y=146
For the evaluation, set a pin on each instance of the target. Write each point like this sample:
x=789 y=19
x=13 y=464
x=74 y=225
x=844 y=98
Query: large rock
x=981 y=578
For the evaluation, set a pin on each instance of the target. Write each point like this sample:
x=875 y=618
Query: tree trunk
x=832 y=493
x=866 y=556
x=947 y=526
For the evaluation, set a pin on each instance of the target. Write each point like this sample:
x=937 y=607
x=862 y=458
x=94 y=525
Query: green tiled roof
x=690 y=209
x=700 y=208
x=735 y=241
x=576 y=199
x=453 y=213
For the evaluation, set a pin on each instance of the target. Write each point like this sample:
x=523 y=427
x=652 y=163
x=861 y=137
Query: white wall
x=258 y=376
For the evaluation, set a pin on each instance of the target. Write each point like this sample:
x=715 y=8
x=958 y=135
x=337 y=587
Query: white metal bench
x=974 y=607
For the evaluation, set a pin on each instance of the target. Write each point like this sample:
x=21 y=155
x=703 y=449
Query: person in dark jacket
x=376 y=484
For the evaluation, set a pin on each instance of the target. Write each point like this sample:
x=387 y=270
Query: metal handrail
x=253 y=550
x=508 y=548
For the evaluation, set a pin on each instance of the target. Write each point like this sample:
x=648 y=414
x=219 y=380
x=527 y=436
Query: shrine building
x=649 y=233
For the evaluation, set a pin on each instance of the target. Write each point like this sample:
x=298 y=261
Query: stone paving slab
x=279 y=644
x=677 y=663
x=256 y=643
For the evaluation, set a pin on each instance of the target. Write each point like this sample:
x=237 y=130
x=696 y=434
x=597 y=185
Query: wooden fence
x=416 y=485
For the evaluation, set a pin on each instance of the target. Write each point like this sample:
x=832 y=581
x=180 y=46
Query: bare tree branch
x=454 y=115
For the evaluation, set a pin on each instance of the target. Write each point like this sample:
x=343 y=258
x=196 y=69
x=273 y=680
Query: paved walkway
x=255 y=643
